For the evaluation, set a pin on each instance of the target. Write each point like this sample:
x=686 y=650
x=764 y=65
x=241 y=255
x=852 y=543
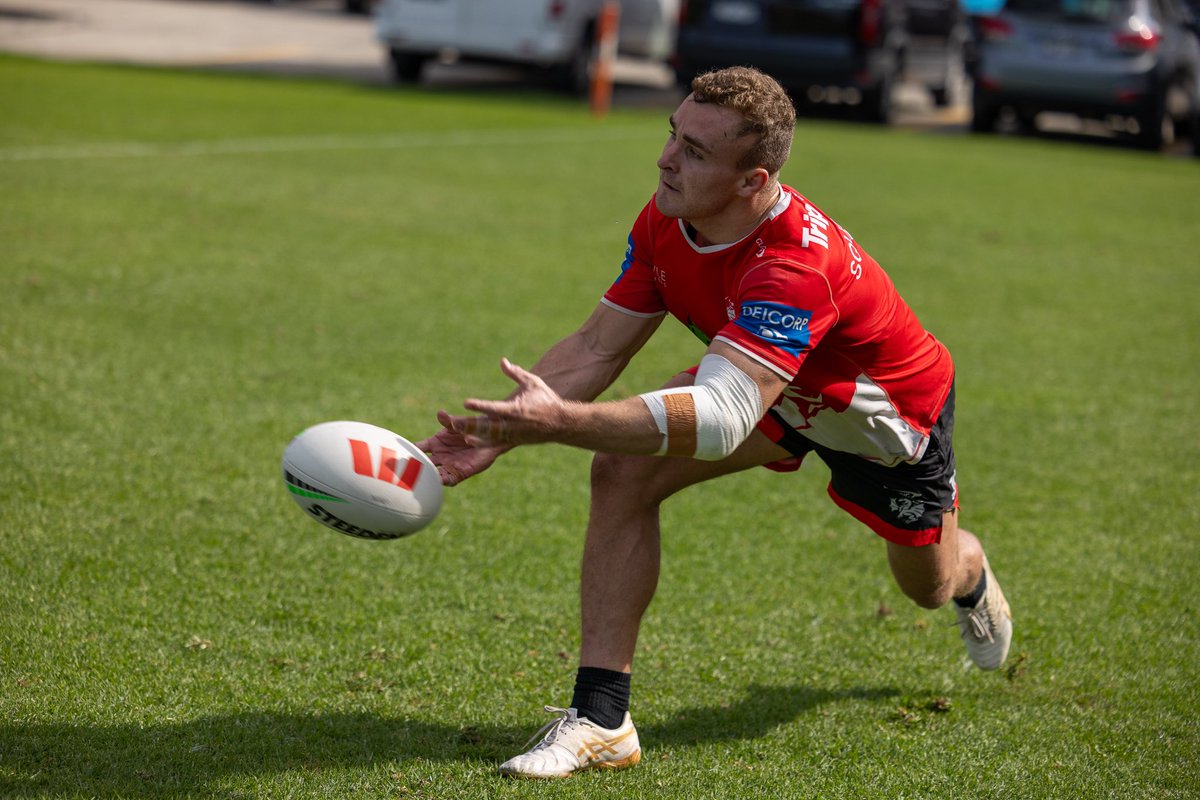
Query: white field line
x=304 y=144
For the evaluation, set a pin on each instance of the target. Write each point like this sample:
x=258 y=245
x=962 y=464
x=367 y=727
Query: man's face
x=698 y=170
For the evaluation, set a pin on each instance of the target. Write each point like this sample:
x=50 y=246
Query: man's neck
x=738 y=226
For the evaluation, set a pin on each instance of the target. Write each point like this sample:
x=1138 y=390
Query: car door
x=420 y=24
x=510 y=28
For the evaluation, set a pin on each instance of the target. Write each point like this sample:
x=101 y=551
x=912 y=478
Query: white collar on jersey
x=781 y=205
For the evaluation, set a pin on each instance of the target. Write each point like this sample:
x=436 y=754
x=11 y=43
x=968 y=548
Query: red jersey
x=802 y=298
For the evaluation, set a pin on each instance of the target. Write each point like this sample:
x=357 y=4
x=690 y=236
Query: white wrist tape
x=709 y=419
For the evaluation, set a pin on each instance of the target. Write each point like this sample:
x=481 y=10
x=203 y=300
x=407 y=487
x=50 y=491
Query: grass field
x=197 y=267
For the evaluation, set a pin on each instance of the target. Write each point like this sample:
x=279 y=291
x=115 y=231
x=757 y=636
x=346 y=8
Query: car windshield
x=1083 y=10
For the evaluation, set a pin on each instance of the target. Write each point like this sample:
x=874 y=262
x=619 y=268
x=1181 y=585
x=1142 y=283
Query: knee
x=629 y=478
x=930 y=594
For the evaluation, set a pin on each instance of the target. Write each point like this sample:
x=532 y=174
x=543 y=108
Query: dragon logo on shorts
x=908 y=507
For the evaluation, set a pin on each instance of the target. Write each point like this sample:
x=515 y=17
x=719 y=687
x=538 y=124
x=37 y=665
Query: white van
x=555 y=35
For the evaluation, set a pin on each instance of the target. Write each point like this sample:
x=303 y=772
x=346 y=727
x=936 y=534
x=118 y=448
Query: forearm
x=574 y=370
x=619 y=426
x=707 y=420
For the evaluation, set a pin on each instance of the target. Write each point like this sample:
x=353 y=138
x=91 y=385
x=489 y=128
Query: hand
x=455 y=458
x=533 y=414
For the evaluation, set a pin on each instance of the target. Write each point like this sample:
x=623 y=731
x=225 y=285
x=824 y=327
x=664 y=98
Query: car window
x=1087 y=10
x=1166 y=10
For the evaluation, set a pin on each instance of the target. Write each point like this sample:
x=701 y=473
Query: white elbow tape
x=709 y=419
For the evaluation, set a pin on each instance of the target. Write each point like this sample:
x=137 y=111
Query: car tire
x=406 y=67
x=984 y=113
x=575 y=76
x=877 y=106
x=684 y=77
x=1184 y=110
x=1156 y=128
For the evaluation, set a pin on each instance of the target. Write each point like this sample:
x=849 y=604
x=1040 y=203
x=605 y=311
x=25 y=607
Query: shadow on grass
x=763 y=709
x=177 y=759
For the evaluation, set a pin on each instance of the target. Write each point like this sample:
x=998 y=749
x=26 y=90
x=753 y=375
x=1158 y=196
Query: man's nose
x=667 y=159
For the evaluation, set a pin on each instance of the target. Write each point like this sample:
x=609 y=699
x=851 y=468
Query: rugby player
x=807 y=348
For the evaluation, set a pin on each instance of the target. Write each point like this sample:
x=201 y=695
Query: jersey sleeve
x=635 y=291
x=783 y=311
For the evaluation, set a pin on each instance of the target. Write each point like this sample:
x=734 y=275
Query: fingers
x=451 y=475
x=481 y=431
x=523 y=377
x=515 y=372
x=460 y=435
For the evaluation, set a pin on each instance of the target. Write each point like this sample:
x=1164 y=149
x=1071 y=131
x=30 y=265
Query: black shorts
x=903 y=504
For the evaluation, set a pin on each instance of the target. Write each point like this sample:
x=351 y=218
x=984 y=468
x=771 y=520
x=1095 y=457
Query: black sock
x=601 y=695
x=971 y=600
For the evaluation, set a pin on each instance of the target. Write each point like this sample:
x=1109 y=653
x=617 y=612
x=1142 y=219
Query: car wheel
x=877 y=101
x=1181 y=104
x=576 y=75
x=407 y=67
x=984 y=113
x=1156 y=127
x=684 y=77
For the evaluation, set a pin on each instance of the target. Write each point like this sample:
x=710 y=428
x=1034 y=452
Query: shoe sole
x=631 y=760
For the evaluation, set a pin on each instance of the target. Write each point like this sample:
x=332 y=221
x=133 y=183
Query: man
x=809 y=348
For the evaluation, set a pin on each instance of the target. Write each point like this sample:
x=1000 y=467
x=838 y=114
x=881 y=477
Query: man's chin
x=664 y=202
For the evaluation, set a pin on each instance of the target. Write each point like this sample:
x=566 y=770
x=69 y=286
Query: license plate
x=1060 y=49
x=732 y=12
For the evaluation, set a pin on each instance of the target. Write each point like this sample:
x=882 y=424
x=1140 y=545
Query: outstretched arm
x=578 y=368
x=707 y=420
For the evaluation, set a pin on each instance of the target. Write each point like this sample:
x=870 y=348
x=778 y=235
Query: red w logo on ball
x=364 y=465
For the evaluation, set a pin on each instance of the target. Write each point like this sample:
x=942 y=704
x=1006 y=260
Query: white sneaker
x=987 y=628
x=573 y=743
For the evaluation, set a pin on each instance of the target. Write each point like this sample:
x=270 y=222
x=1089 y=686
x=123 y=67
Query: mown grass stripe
x=304 y=144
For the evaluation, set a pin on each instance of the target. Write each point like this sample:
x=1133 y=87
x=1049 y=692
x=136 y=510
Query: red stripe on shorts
x=886 y=529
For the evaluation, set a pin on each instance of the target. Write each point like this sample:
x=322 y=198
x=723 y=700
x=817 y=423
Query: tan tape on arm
x=681 y=424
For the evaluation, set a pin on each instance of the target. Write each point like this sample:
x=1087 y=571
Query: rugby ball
x=362 y=480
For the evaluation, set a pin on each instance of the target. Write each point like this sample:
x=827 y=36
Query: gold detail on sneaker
x=592 y=750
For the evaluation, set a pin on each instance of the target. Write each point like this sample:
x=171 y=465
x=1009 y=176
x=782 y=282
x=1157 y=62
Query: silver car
x=556 y=35
x=1132 y=63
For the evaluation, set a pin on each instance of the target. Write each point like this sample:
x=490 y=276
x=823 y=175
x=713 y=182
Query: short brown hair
x=764 y=105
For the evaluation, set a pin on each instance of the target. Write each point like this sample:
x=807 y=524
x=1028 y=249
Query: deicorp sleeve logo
x=780 y=325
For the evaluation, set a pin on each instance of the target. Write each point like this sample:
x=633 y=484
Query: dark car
x=1132 y=63
x=850 y=52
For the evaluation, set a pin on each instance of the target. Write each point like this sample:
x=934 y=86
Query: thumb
x=518 y=374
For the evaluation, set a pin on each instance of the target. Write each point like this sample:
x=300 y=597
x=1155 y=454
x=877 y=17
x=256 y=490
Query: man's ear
x=753 y=182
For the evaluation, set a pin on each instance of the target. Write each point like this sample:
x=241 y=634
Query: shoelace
x=980 y=622
x=549 y=731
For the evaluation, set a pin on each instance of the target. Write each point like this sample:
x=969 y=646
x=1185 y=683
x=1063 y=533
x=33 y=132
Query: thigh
x=654 y=478
x=906 y=504
x=641 y=480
